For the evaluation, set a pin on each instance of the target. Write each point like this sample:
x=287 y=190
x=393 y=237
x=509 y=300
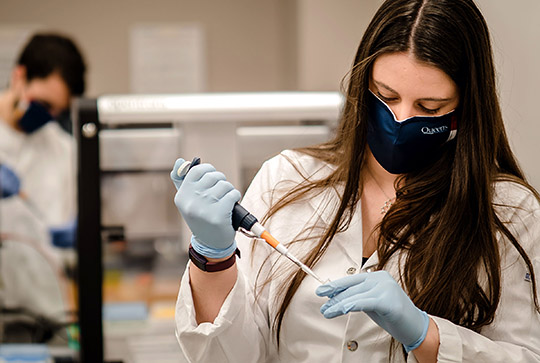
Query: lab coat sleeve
x=458 y=344
x=234 y=336
x=514 y=335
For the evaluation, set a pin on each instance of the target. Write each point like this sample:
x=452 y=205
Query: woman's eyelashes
x=430 y=111
x=386 y=99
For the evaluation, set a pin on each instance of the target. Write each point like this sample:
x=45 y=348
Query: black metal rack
x=89 y=244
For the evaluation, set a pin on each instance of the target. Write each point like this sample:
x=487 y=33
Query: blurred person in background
x=37 y=158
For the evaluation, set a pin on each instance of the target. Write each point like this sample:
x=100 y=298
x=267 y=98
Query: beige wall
x=515 y=30
x=247 y=41
x=328 y=34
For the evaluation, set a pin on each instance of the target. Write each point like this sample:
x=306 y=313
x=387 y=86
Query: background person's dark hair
x=47 y=53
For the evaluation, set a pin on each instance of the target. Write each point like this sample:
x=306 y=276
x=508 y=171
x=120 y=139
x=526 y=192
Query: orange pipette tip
x=269 y=239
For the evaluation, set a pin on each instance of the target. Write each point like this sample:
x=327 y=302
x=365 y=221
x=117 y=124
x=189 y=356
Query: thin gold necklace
x=388 y=203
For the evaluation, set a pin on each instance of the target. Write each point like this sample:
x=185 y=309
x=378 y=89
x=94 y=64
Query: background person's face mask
x=403 y=146
x=35 y=116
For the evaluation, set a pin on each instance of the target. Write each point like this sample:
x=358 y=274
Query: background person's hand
x=382 y=299
x=206 y=201
x=10 y=184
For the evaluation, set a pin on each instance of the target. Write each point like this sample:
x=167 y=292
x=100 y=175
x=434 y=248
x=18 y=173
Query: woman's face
x=412 y=88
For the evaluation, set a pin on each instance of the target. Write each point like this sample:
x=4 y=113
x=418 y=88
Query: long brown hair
x=442 y=271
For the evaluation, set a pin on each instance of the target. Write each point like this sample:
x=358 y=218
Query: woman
x=418 y=198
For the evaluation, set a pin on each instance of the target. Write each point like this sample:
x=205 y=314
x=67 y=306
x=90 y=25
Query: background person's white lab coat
x=30 y=266
x=45 y=164
x=30 y=271
x=241 y=331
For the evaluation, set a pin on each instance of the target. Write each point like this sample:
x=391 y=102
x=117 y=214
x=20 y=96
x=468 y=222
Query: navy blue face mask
x=404 y=146
x=35 y=116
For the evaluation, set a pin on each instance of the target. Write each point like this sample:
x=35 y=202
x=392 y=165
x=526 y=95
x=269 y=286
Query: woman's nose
x=402 y=111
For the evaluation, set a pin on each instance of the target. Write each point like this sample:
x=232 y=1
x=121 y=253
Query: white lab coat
x=31 y=275
x=30 y=266
x=44 y=161
x=241 y=331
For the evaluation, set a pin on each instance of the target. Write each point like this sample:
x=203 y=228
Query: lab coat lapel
x=326 y=205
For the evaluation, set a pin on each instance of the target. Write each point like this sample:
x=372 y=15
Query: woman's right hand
x=206 y=200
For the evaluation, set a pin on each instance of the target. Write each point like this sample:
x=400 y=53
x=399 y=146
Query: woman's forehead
x=404 y=74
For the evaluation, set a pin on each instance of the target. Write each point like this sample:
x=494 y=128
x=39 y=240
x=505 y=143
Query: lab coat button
x=352 y=345
x=351 y=270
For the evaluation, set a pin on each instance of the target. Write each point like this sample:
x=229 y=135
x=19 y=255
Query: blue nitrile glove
x=206 y=201
x=9 y=182
x=64 y=236
x=382 y=299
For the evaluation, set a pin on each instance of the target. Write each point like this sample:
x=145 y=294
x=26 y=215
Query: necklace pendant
x=386 y=206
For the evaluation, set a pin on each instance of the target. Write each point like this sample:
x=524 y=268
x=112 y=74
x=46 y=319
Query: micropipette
x=242 y=219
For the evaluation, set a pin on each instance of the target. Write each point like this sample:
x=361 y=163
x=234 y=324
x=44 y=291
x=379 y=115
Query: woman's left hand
x=382 y=299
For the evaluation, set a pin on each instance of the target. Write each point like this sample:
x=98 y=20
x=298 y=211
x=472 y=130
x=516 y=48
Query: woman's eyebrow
x=380 y=84
x=434 y=99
